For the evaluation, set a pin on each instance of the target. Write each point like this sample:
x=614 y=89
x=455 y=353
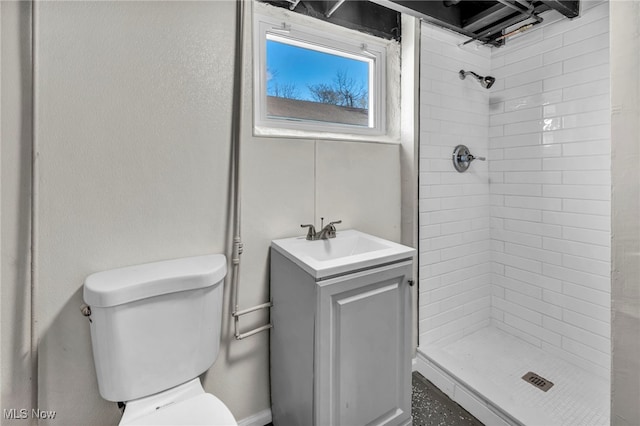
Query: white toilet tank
x=155 y=326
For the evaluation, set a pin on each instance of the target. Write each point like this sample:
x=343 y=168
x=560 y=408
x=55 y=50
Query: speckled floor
x=431 y=407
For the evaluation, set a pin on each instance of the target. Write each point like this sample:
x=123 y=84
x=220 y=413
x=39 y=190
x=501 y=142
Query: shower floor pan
x=484 y=371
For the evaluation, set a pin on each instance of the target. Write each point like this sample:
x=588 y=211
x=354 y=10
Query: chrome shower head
x=488 y=81
x=485 y=82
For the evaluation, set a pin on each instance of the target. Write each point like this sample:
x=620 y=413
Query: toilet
x=155 y=328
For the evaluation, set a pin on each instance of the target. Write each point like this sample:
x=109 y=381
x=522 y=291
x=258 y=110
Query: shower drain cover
x=537 y=381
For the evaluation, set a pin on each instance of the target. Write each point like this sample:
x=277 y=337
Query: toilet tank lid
x=122 y=285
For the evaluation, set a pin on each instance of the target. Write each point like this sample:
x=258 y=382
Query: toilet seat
x=204 y=409
x=186 y=404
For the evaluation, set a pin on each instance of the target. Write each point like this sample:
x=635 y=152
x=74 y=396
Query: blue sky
x=303 y=67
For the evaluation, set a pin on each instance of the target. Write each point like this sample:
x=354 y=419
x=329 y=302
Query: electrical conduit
x=235 y=183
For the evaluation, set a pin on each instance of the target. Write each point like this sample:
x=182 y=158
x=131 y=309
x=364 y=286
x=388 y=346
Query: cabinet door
x=363 y=347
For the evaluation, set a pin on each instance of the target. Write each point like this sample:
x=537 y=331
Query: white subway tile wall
x=455 y=269
x=551 y=209
x=522 y=241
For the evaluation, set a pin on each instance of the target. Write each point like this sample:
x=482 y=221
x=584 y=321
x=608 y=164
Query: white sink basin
x=349 y=251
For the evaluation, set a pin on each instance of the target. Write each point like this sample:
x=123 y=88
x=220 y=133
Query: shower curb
x=481 y=408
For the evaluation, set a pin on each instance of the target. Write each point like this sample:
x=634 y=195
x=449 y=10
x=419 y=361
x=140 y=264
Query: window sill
x=272 y=132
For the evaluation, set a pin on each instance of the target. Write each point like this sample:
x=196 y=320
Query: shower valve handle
x=462 y=158
x=471 y=157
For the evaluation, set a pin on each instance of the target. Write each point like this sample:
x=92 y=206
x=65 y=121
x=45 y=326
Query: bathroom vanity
x=341 y=337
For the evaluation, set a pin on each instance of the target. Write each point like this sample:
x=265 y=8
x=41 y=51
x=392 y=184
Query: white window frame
x=353 y=45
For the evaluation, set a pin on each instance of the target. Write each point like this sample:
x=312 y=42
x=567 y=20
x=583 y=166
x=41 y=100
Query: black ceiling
x=364 y=16
x=486 y=21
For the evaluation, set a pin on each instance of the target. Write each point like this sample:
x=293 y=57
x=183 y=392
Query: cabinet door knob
x=410 y=282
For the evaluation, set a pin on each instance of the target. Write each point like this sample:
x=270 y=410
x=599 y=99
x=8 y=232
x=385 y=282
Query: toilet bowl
x=155 y=328
x=186 y=404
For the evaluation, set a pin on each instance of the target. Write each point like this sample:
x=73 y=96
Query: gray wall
x=132 y=106
x=625 y=136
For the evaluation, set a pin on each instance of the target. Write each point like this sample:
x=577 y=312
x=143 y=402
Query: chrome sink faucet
x=326 y=232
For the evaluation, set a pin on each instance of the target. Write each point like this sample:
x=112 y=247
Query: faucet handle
x=311 y=233
x=330 y=229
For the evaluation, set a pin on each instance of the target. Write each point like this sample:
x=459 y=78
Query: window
x=309 y=80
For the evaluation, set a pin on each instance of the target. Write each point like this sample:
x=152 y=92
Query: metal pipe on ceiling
x=293 y=4
x=530 y=12
x=513 y=6
x=334 y=8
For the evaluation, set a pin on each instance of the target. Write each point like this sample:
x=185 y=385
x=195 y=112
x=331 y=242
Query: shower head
x=485 y=82
x=488 y=81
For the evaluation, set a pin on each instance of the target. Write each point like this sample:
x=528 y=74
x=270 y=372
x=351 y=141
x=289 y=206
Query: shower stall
x=514 y=251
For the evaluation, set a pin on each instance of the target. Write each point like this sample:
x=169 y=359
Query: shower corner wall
x=516 y=254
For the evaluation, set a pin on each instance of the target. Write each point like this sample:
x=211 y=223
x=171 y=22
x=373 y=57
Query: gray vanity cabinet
x=340 y=347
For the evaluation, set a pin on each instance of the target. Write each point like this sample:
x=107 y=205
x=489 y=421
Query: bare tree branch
x=345 y=91
x=280 y=90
